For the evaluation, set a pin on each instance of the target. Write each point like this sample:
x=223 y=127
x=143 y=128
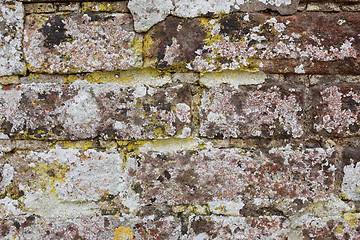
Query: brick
x=227 y=111
x=164 y=228
x=351 y=180
x=33 y=227
x=105 y=6
x=219 y=227
x=68 y=7
x=40 y=8
x=148 y=13
x=11 y=28
x=336 y=111
x=234 y=179
x=73 y=43
x=82 y=110
x=251 y=42
x=352 y=8
x=318 y=228
x=51 y=183
x=324 y=7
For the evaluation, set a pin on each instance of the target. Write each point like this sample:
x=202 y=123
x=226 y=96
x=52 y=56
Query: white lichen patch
x=7 y=174
x=351 y=182
x=90 y=174
x=234 y=78
x=80 y=115
x=11 y=28
x=231 y=208
x=148 y=13
x=49 y=206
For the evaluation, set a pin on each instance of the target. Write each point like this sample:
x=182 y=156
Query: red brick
x=336 y=110
x=219 y=227
x=71 y=43
x=269 y=111
x=257 y=178
x=81 y=111
x=301 y=43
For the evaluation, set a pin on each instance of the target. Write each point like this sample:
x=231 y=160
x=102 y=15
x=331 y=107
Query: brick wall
x=180 y=119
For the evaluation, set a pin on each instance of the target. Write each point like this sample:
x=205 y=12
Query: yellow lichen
x=339 y=229
x=123 y=233
x=352 y=218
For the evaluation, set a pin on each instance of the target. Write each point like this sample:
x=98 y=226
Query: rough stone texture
x=284 y=178
x=71 y=43
x=82 y=110
x=11 y=32
x=148 y=13
x=180 y=119
x=336 y=110
x=249 y=112
x=218 y=227
x=291 y=44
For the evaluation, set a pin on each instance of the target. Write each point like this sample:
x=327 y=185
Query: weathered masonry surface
x=180 y=119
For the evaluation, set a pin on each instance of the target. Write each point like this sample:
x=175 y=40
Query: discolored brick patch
x=226 y=111
x=33 y=227
x=346 y=228
x=303 y=43
x=82 y=110
x=222 y=177
x=336 y=110
x=72 y=43
x=11 y=33
x=220 y=227
x=163 y=228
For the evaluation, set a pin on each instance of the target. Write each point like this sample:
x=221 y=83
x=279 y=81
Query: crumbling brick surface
x=180 y=119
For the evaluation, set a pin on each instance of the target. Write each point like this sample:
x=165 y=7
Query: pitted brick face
x=291 y=44
x=227 y=111
x=222 y=176
x=82 y=110
x=336 y=110
x=72 y=43
x=180 y=119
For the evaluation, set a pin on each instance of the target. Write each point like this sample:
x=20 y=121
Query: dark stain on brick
x=167 y=174
x=29 y=221
x=137 y=188
x=231 y=26
x=190 y=37
x=349 y=103
x=5 y=229
x=202 y=226
x=351 y=155
x=54 y=32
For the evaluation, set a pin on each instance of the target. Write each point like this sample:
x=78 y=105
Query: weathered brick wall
x=180 y=119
